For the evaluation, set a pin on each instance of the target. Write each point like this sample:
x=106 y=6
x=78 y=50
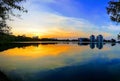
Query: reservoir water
x=60 y=61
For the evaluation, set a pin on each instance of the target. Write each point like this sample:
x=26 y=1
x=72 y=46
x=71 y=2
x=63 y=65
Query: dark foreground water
x=65 y=61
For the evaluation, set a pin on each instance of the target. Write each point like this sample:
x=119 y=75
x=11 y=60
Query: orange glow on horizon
x=54 y=34
x=57 y=34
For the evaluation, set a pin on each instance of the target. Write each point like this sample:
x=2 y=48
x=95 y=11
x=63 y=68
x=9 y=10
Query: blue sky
x=91 y=10
x=65 y=19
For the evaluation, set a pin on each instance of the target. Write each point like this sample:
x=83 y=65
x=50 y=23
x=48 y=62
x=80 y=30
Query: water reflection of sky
x=45 y=62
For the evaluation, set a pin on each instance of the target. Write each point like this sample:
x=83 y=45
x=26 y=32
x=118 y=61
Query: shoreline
x=3 y=77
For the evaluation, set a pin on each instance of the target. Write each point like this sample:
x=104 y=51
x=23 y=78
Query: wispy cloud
x=41 y=19
x=113 y=27
x=47 y=24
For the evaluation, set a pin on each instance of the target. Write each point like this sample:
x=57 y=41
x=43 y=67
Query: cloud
x=54 y=25
x=45 y=23
x=113 y=27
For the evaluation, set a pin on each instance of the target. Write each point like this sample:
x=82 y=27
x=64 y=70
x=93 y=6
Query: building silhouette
x=99 y=38
x=83 y=39
x=92 y=38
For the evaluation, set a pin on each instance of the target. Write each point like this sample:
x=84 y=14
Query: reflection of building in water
x=99 y=38
x=92 y=38
x=99 y=45
x=92 y=45
x=83 y=44
x=36 y=44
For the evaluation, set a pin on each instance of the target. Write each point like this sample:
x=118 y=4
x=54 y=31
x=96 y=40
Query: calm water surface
x=60 y=62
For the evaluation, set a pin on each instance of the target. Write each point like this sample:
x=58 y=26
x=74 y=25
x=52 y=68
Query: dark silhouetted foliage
x=3 y=77
x=113 y=10
x=118 y=36
x=6 y=10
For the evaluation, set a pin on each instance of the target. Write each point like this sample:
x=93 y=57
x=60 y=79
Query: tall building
x=92 y=38
x=99 y=38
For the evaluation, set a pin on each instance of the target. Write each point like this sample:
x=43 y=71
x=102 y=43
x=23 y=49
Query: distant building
x=35 y=37
x=99 y=38
x=92 y=38
x=83 y=40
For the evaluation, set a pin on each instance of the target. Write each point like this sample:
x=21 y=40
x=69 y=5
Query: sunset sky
x=64 y=19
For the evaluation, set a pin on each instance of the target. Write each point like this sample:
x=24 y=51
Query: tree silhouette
x=113 y=10
x=6 y=10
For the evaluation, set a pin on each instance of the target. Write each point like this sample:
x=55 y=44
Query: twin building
x=92 y=39
x=99 y=38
